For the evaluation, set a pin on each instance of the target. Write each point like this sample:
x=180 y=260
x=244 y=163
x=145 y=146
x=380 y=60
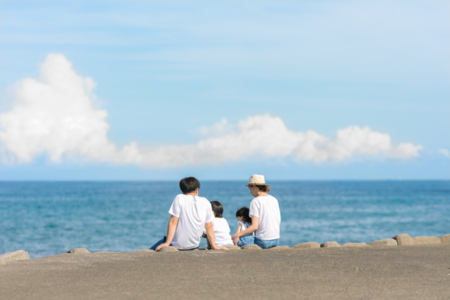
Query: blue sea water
x=48 y=218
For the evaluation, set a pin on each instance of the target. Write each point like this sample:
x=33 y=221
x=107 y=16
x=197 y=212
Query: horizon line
x=208 y=180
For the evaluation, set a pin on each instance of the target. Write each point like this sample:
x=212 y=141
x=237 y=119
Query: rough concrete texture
x=403 y=239
x=143 y=251
x=251 y=247
x=306 y=245
x=233 y=247
x=354 y=245
x=330 y=245
x=445 y=239
x=425 y=240
x=78 y=250
x=384 y=242
x=414 y=272
x=11 y=256
x=168 y=249
x=279 y=248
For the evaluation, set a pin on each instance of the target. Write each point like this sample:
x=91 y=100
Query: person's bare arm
x=236 y=240
x=171 y=227
x=211 y=237
x=249 y=230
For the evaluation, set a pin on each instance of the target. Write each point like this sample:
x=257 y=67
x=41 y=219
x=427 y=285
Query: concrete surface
x=412 y=272
x=11 y=256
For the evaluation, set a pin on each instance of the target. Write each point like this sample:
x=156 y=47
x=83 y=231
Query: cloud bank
x=55 y=115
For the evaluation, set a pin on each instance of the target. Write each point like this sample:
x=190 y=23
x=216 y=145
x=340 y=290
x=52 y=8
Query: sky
x=221 y=90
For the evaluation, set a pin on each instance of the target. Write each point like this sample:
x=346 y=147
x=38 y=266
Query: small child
x=220 y=225
x=243 y=216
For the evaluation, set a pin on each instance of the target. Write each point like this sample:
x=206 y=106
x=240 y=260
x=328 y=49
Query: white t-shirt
x=267 y=210
x=193 y=213
x=221 y=232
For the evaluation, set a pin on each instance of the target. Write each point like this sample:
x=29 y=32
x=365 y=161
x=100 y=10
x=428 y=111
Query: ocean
x=48 y=218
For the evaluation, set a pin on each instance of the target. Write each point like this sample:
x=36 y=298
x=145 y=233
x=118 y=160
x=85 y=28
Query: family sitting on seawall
x=193 y=217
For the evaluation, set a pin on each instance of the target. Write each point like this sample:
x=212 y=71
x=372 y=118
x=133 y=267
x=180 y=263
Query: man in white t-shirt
x=190 y=214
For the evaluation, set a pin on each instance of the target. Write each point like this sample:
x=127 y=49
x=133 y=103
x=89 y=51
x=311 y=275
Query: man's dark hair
x=245 y=213
x=189 y=184
x=217 y=209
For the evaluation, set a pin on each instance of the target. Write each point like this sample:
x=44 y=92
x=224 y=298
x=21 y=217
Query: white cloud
x=445 y=152
x=55 y=115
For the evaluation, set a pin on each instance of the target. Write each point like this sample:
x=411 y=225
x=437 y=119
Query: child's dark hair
x=189 y=184
x=245 y=213
x=217 y=209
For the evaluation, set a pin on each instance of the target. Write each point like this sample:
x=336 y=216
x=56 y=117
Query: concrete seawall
x=409 y=272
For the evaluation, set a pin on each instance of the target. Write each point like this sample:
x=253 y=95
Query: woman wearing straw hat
x=265 y=214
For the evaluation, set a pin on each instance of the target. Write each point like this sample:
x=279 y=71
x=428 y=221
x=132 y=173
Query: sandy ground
x=403 y=272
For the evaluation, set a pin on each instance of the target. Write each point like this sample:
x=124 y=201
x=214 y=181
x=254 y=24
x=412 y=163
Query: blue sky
x=166 y=69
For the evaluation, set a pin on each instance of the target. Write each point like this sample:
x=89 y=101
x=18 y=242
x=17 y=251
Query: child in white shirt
x=220 y=225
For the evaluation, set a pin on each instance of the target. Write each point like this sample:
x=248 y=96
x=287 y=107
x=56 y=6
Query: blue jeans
x=246 y=240
x=267 y=244
x=163 y=241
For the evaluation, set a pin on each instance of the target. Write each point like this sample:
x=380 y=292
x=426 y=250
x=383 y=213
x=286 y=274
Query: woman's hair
x=245 y=213
x=262 y=188
x=217 y=209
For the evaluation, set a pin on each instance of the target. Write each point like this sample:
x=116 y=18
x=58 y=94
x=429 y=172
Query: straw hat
x=256 y=179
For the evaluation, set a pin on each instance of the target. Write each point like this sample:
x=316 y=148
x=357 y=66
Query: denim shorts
x=267 y=244
x=246 y=240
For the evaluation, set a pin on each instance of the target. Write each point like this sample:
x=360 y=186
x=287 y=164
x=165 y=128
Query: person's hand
x=236 y=241
x=162 y=245
x=220 y=248
x=235 y=236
